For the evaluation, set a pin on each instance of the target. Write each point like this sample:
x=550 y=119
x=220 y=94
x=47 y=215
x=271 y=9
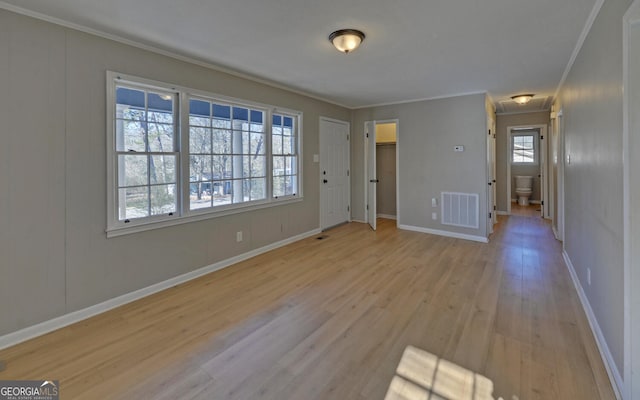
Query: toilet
x=524 y=189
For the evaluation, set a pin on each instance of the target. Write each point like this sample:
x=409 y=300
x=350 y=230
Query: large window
x=178 y=154
x=523 y=149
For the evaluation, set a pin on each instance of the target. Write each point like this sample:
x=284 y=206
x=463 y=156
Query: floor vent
x=460 y=209
x=322 y=237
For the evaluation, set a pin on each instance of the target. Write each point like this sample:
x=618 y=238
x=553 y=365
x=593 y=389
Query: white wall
x=428 y=131
x=54 y=254
x=591 y=100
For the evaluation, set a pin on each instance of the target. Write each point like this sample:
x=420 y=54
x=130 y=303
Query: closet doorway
x=381 y=161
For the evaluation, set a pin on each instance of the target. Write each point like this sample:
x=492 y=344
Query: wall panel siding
x=55 y=254
x=428 y=131
x=591 y=100
x=32 y=202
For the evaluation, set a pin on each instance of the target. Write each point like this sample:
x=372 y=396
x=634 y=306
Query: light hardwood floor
x=532 y=210
x=330 y=319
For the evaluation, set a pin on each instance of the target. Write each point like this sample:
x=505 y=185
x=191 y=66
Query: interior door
x=372 y=177
x=491 y=176
x=493 y=172
x=543 y=174
x=334 y=173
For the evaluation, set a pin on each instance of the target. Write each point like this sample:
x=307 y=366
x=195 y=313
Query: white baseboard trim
x=387 y=216
x=42 y=328
x=555 y=232
x=359 y=221
x=502 y=212
x=603 y=348
x=444 y=233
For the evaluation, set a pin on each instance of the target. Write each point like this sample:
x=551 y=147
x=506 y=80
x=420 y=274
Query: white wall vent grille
x=460 y=209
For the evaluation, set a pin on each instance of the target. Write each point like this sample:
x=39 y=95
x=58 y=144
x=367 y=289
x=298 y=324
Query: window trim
x=183 y=214
x=534 y=134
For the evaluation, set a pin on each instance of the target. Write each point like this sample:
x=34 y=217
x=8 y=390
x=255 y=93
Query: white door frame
x=320 y=184
x=557 y=121
x=366 y=177
x=553 y=133
x=491 y=175
x=631 y=216
x=542 y=149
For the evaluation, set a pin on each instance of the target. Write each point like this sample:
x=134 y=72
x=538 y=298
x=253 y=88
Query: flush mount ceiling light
x=346 y=40
x=522 y=99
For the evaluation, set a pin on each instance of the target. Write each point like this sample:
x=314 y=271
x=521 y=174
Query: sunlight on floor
x=423 y=376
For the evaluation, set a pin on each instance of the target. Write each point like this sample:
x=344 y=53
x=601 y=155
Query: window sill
x=178 y=220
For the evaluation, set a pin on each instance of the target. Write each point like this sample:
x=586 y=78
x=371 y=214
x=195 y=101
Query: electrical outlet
x=589 y=276
x=434 y=202
x=434 y=216
x=239 y=236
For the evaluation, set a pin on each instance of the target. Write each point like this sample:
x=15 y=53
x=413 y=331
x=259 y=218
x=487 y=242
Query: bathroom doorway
x=527 y=154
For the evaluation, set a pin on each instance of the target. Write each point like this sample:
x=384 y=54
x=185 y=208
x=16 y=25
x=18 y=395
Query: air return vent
x=460 y=209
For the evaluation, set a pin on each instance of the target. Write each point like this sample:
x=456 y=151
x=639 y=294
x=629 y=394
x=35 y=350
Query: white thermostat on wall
x=458 y=148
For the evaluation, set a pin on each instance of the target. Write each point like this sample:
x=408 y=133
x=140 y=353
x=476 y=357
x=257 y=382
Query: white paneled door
x=334 y=172
x=372 y=178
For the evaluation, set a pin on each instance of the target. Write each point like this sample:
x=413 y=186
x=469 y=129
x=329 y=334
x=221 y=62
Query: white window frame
x=297 y=124
x=535 y=147
x=183 y=214
x=186 y=167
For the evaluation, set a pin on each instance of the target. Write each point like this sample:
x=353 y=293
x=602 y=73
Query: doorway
x=556 y=175
x=335 y=181
x=381 y=167
x=526 y=155
x=491 y=175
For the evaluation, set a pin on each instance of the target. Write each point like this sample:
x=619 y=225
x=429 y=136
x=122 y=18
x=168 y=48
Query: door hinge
x=489 y=132
x=367 y=134
x=542 y=203
x=347 y=136
x=541 y=137
x=494 y=135
x=367 y=206
x=347 y=172
x=489 y=215
x=495 y=208
x=347 y=208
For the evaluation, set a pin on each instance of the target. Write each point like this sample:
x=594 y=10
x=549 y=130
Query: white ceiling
x=414 y=49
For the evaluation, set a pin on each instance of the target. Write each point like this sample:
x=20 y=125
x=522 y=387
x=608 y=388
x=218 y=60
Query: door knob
x=374 y=180
x=324 y=181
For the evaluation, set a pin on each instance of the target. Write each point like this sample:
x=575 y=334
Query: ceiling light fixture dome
x=522 y=99
x=346 y=40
